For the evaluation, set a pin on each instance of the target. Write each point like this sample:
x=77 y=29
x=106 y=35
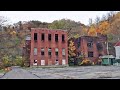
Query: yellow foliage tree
x=84 y=31
x=13 y=33
x=77 y=36
x=71 y=49
x=92 y=31
x=103 y=27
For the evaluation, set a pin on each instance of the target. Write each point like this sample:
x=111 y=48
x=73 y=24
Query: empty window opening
x=42 y=62
x=35 y=62
x=78 y=45
x=35 y=36
x=56 y=51
x=42 y=51
x=90 y=54
x=78 y=54
x=63 y=37
x=56 y=37
x=42 y=37
x=63 y=62
x=49 y=51
x=35 y=51
x=63 y=52
x=90 y=44
x=99 y=46
x=49 y=37
x=100 y=55
x=56 y=62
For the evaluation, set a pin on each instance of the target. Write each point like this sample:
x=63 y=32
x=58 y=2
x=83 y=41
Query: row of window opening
x=49 y=37
x=49 y=51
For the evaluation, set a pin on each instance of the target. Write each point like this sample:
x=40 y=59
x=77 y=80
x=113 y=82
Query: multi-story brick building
x=91 y=47
x=48 y=47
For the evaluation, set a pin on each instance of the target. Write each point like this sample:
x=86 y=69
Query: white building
x=117 y=50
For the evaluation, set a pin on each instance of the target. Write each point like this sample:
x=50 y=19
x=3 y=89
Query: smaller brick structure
x=90 y=46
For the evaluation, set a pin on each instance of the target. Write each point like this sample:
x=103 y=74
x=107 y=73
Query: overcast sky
x=49 y=16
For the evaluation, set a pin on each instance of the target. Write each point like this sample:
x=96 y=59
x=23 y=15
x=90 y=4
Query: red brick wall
x=84 y=48
x=48 y=44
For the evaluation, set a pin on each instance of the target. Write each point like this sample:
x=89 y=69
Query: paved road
x=19 y=73
x=82 y=72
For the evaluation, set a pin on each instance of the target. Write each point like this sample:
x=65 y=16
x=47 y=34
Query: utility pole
x=108 y=51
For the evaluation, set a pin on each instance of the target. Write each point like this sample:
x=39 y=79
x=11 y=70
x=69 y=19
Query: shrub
x=86 y=62
x=6 y=61
x=99 y=61
x=19 y=61
x=71 y=61
x=1 y=65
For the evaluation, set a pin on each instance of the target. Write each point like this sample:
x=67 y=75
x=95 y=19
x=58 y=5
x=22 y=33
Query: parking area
x=81 y=72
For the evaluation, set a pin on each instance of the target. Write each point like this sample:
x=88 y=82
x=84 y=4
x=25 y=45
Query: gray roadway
x=82 y=72
x=19 y=73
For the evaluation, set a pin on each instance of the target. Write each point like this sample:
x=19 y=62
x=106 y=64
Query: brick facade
x=40 y=41
x=91 y=47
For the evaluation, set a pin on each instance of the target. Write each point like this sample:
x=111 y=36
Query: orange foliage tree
x=104 y=27
x=71 y=49
x=92 y=31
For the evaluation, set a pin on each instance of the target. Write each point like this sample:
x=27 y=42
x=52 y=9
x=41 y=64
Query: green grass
x=2 y=71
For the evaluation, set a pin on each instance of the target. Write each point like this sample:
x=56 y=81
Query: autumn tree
x=104 y=27
x=71 y=49
x=92 y=31
x=97 y=20
x=90 y=21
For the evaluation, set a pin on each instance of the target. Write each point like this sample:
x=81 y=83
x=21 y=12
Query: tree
x=97 y=20
x=3 y=20
x=104 y=17
x=92 y=31
x=71 y=26
x=71 y=49
x=104 y=27
x=77 y=36
x=90 y=21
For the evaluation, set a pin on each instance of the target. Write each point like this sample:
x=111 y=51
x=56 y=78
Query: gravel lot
x=81 y=72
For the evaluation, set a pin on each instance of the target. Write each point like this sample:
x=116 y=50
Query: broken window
x=42 y=51
x=78 y=45
x=90 y=44
x=35 y=62
x=35 y=36
x=42 y=62
x=42 y=37
x=56 y=51
x=90 y=54
x=63 y=38
x=100 y=54
x=35 y=51
x=78 y=54
x=78 y=42
x=63 y=52
x=99 y=46
x=56 y=62
x=49 y=37
x=56 y=37
x=49 y=51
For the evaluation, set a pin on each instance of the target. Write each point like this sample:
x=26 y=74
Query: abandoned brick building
x=91 y=47
x=47 y=47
